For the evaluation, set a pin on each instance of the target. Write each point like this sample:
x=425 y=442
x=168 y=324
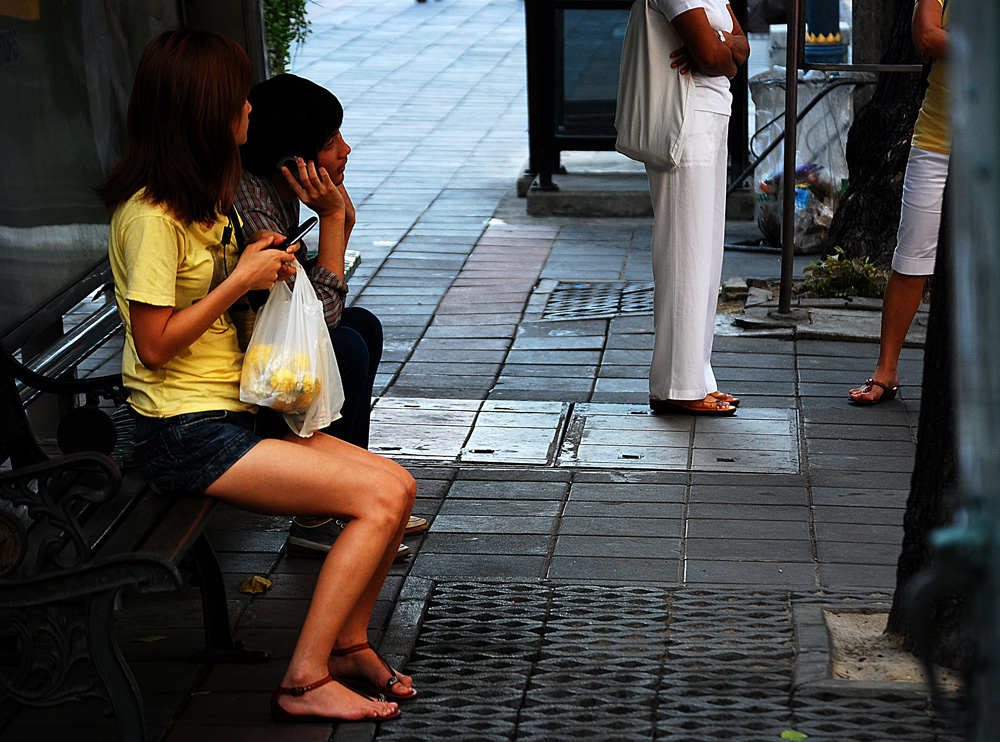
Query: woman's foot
x=710 y=405
x=327 y=699
x=874 y=391
x=733 y=401
x=361 y=665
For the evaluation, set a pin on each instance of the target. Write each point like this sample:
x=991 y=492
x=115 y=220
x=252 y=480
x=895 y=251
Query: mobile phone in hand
x=292 y=163
x=297 y=234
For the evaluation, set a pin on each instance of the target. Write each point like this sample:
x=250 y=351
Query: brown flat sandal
x=388 y=690
x=691 y=406
x=280 y=714
x=888 y=392
x=723 y=397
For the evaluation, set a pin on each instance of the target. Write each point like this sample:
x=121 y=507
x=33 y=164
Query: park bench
x=77 y=528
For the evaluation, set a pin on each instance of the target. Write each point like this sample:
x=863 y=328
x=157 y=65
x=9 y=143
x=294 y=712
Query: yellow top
x=157 y=259
x=931 y=130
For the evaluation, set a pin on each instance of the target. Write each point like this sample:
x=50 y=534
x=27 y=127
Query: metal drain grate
x=729 y=669
x=595 y=300
x=542 y=661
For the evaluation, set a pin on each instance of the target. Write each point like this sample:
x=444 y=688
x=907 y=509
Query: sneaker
x=316 y=540
x=415 y=525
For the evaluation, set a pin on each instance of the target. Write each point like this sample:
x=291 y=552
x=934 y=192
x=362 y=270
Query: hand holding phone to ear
x=314 y=188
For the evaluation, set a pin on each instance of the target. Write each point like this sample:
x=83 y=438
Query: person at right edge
x=689 y=210
x=920 y=215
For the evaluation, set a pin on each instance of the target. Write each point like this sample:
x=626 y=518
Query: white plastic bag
x=289 y=365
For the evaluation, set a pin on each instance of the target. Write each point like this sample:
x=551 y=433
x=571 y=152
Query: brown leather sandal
x=718 y=407
x=888 y=392
x=280 y=714
x=723 y=397
x=388 y=690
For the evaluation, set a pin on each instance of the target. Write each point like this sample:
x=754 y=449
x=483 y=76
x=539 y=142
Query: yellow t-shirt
x=931 y=130
x=157 y=259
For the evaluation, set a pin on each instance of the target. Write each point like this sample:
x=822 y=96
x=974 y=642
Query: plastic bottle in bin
x=816 y=198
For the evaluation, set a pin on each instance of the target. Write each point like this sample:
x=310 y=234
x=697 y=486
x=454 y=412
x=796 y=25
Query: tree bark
x=878 y=144
x=934 y=479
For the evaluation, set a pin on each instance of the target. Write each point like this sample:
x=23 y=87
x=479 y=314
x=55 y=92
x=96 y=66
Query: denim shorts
x=184 y=454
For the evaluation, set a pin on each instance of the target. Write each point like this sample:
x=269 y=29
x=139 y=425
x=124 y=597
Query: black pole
x=793 y=41
x=539 y=19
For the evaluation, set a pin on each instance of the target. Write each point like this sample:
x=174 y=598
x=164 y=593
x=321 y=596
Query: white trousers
x=689 y=221
x=920 y=214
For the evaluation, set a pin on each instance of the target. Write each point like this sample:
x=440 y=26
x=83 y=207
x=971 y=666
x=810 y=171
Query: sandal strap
x=869 y=383
x=367 y=645
x=299 y=690
x=351 y=650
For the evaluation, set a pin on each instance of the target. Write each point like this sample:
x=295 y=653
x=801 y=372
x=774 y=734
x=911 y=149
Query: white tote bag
x=653 y=99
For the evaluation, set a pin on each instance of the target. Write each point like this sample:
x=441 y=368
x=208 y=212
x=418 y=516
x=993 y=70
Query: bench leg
x=219 y=643
x=123 y=691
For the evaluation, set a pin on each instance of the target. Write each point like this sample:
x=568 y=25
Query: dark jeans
x=357 y=343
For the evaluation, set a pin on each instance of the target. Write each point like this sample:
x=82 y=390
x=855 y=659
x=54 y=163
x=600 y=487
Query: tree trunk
x=878 y=144
x=934 y=479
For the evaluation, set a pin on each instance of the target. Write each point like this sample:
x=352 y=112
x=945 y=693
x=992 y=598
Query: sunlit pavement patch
x=602 y=436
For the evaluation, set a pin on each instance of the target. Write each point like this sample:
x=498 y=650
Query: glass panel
x=592 y=48
x=65 y=75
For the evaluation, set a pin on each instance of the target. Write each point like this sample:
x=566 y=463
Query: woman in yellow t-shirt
x=177 y=273
x=920 y=217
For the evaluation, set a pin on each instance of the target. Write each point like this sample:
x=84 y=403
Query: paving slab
x=642 y=493
x=754 y=550
x=486 y=543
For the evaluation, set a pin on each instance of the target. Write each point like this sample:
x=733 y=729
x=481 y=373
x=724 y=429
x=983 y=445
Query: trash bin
x=820 y=165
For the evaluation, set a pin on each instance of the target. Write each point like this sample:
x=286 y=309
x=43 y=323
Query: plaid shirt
x=260 y=207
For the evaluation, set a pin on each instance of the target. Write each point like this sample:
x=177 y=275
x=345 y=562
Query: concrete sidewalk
x=591 y=571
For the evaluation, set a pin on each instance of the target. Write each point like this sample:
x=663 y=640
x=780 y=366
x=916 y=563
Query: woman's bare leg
x=355 y=629
x=902 y=299
x=295 y=476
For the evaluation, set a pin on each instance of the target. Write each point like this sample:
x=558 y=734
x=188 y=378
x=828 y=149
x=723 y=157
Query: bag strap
x=257 y=297
x=234 y=221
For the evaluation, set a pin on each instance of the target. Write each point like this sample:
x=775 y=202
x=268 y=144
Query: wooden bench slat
x=154 y=521
x=181 y=526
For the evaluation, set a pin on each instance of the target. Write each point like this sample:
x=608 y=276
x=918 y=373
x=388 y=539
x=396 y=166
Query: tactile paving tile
x=729 y=666
x=546 y=662
x=871 y=719
x=569 y=301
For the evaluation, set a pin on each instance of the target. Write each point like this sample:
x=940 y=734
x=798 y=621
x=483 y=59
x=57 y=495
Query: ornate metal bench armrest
x=49 y=499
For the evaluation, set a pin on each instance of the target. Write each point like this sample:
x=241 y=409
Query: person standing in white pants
x=689 y=203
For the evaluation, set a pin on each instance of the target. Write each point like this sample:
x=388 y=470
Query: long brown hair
x=187 y=97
